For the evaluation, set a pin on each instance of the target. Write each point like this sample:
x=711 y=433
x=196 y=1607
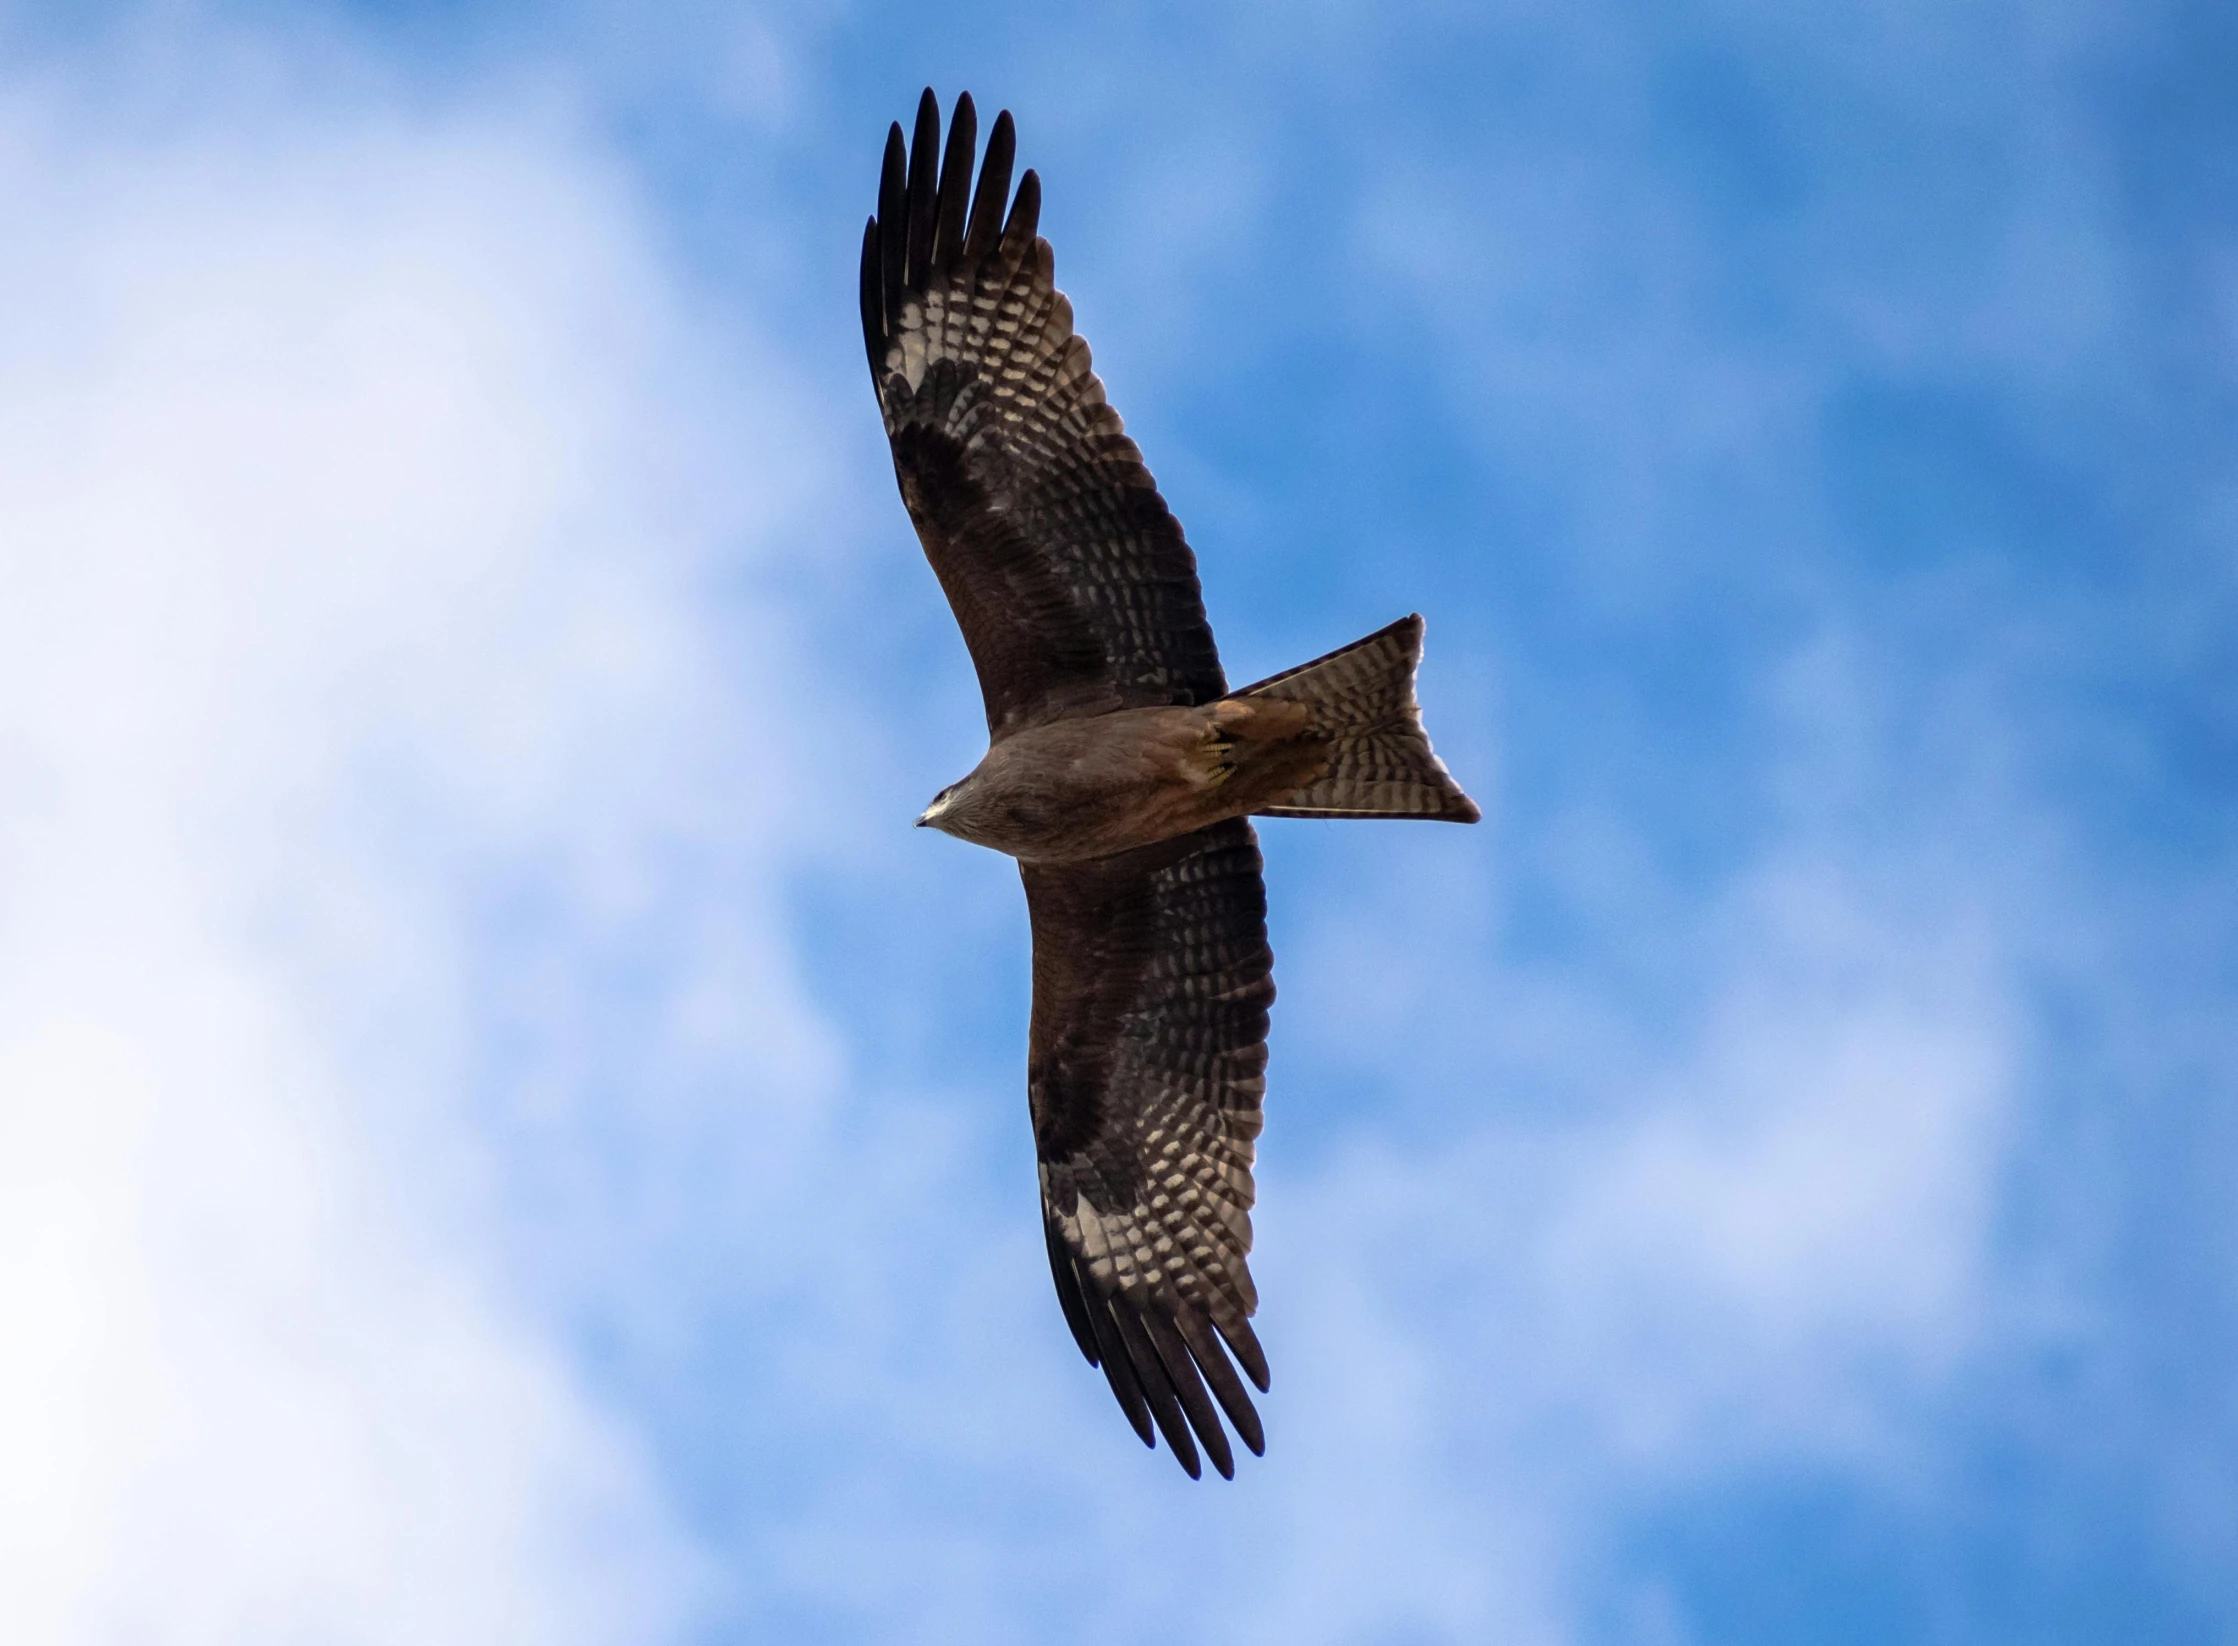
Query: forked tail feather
x=1380 y=763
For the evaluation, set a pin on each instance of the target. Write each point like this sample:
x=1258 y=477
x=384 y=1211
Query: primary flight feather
x=1120 y=772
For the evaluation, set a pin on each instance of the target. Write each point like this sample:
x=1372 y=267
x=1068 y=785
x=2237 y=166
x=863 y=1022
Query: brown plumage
x=1120 y=771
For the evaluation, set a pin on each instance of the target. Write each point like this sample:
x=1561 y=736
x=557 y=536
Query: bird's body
x=1071 y=790
x=1120 y=772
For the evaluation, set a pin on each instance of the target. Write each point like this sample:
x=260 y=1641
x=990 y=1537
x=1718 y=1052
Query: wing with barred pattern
x=1069 y=577
x=1146 y=1067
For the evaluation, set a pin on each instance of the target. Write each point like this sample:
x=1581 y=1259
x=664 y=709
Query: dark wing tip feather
x=955 y=183
x=1243 y=1343
x=874 y=302
x=1069 y=1296
x=1025 y=217
x=924 y=182
x=893 y=225
x=994 y=189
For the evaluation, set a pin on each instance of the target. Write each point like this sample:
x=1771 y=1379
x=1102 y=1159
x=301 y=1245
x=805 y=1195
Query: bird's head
x=941 y=814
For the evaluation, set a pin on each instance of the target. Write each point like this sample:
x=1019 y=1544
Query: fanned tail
x=1380 y=763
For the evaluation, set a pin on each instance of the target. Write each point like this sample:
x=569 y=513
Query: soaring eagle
x=1120 y=773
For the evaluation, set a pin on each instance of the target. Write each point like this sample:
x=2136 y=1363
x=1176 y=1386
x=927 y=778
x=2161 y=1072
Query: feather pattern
x=1071 y=580
x=1146 y=1069
x=1379 y=760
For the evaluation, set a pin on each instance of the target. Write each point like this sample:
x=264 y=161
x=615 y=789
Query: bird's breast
x=1088 y=787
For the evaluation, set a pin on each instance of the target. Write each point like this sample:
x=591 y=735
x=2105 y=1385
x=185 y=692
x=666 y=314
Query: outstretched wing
x=1152 y=979
x=1070 y=578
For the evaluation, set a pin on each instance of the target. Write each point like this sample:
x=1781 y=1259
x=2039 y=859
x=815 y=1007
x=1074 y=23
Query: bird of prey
x=1120 y=773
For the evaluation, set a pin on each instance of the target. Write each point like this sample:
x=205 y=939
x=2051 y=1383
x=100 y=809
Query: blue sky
x=506 y=1133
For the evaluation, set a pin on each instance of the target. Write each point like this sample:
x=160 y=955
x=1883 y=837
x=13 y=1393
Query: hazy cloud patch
x=355 y=529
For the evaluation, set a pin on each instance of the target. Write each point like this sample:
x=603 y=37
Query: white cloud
x=1796 y=1215
x=354 y=525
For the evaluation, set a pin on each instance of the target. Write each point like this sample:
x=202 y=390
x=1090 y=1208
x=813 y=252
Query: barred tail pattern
x=1380 y=761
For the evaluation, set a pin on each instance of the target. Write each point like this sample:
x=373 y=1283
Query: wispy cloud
x=358 y=520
